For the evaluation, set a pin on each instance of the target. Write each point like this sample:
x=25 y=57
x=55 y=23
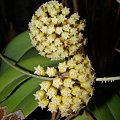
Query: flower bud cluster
x=71 y=88
x=55 y=33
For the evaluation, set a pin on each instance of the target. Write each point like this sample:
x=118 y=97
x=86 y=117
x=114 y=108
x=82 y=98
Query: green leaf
x=11 y=86
x=84 y=116
x=17 y=48
x=107 y=111
x=16 y=100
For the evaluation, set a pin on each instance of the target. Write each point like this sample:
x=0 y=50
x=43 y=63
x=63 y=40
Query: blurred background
x=102 y=30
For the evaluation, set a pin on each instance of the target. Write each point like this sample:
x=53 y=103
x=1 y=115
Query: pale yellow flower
x=71 y=63
x=73 y=40
x=44 y=29
x=78 y=58
x=65 y=11
x=67 y=101
x=73 y=74
x=65 y=35
x=45 y=20
x=68 y=82
x=58 y=42
x=75 y=16
x=40 y=94
x=86 y=85
x=76 y=90
x=65 y=92
x=71 y=21
x=62 y=67
x=64 y=110
x=54 y=20
x=81 y=26
x=43 y=103
x=73 y=31
x=81 y=78
x=51 y=71
x=39 y=70
x=58 y=30
x=57 y=82
x=72 y=49
x=51 y=29
x=56 y=100
x=66 y=28
x=75 y=108
x=52 y=107
x=45 y=85
x=52 y=92
x=61 y=18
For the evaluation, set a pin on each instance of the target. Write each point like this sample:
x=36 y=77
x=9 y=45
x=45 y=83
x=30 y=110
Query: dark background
x=102 y=30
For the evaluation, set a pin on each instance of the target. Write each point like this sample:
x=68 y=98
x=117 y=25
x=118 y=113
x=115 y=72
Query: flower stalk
x=22 y=70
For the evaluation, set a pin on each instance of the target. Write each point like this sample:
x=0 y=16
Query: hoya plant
x=47 y=67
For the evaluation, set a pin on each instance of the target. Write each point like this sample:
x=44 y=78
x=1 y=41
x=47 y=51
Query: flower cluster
x=70 y=90
x=55 y=33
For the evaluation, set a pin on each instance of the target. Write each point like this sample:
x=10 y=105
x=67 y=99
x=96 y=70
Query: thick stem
x=58 y=115
x=53 y=116
x=23 y=71
x=72 y=115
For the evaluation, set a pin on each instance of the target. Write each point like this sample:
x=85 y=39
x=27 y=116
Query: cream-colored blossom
x=65 y=35
x=52 y=107
x=71 y=63
x=39 y=70
x=51 y=71
x=58 y=42
x=66 y=27
x=78 y=58
x=57 y=82
x=61 y=18
x=73 y=31
x=81 y=26
x=65 y=92
x=67 y=101
x=54 y=20
x=62 y=67
x=65 y=11
x=68 y=82
x=86 y=85
x=76 y=90
x=56 y=100
x=52 y=92
x=45 y=85
x=73 y=74
x=44 y=29
x=45 y=20
x=51 y=29
x=72 y=49
x=64 y=110
x=43 y=103
x=75 y=108
x=40 y=94
x=58 y=30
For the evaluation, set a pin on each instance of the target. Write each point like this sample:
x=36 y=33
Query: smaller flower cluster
x=54 y=34
x=71 y=88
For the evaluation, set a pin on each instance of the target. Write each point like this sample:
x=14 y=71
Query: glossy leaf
x=17 y=48
x=22 y=93
x=109 y=110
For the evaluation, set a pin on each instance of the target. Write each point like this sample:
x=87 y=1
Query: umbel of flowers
x=54 y=32
x=58 y=35
x=70 y=90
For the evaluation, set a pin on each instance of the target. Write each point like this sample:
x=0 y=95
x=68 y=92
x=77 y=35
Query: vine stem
x=104 y=79
x=107 y=79
x=23 y=71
